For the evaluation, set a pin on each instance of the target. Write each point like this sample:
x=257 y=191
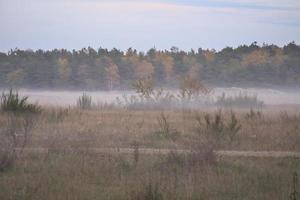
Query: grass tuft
x=84 y=102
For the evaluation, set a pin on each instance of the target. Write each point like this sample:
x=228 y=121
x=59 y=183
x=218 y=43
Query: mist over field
x=69 y=98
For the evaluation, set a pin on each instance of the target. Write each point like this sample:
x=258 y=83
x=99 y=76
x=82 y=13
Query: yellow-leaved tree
x=143 y=69
x=256 y=58
x=112 y=75
x=64 y=69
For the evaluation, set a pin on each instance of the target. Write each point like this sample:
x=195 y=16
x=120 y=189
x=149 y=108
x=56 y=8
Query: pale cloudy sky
x=143 y=24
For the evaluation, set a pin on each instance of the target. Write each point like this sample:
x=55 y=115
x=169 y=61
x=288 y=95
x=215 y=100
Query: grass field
x=82 y=174
x=86 y=176
x=165 y=129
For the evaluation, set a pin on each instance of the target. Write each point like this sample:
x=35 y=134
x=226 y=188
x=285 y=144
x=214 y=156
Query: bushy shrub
x=144 y=87
x=190 y=94
x=191 y=89
x=17 y=121
x=216 y=129
x=12 y=102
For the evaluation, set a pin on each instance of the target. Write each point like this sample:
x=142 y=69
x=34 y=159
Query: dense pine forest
x=102 y=69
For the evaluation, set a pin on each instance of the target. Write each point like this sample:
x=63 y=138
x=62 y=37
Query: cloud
x=241 y=4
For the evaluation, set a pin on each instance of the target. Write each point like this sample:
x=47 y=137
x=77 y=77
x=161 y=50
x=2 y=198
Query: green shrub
x=217 y=129
x=12 y=102
x=233 y=127
x=84 y=101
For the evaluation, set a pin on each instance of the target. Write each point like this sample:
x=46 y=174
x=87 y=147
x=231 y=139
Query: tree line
x=92 y=69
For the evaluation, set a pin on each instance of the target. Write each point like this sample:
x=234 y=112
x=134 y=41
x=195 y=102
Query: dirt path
x=151 y=151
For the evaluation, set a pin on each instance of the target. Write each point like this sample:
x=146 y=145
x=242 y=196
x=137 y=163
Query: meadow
x=49 y=152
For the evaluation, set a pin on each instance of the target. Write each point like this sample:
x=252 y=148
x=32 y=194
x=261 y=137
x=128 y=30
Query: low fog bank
x=69 y=98
x=268 y=96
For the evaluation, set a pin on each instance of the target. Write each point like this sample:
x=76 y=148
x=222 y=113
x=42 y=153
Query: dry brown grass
x=82 y=174
x=121 y=128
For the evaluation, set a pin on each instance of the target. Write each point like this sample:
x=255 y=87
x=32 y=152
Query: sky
x=144 y=24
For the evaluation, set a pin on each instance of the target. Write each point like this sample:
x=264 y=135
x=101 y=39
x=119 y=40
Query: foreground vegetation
x=84 y=175
x=64 y=165
x=70 y=170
